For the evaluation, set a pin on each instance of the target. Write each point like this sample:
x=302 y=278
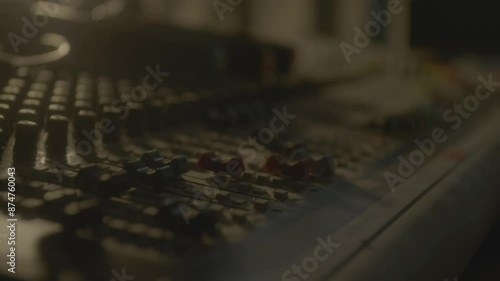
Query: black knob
x=57 y=139
x=26 y=140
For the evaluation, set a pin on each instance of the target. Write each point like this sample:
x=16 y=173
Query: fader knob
x=26 y=140
x=57 y=129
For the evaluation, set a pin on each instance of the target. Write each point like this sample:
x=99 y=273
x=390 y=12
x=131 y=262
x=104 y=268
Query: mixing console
x=109 y=180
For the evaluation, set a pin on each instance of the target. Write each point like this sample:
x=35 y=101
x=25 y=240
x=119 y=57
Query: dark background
x=456 y=26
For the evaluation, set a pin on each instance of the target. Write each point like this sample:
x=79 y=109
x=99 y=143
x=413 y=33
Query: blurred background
x=312 y=29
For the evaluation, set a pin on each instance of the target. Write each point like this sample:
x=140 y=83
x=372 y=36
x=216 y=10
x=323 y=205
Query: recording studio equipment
x=133 y=150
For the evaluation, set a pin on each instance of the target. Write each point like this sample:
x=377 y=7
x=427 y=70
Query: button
x=165 y=170
x=11 y=90
x=238 y=200
x=82 y=105
x=4 y=122
x=86 y=87
x=62 y=84
x=160 y=177
x=323 y=166
x=26 y=140
x=9 y=99
x=274 y=165
x=27 y=114
x=248 y=175
x=61 y=91
x=164 y=174
x=35 y=95
x=32 y=104
x=5 y=110
x=106 y=184
x=57 y=109
x=261 y=204
x=281 y=195
x=298 y=152
x=59 y=100
x=208 y=161
x=244 y=186
x=278 y=166
x=240 y=216
x=179 y=164
x=259 y=192
x=135 y=166
x=299 y=169
x=16 y=82
x=263 y=178
x=57 y=139
x=223 y=196
x=278 y=181
x=41 y=87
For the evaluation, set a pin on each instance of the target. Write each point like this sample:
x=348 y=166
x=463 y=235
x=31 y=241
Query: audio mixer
x=181 y=184
x=134 y=151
